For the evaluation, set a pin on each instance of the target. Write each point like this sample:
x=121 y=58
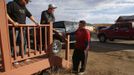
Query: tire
x=57 y=46
x=102 y=38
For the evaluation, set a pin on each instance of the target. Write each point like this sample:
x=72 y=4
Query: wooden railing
x=34 y=35
x=34 y=41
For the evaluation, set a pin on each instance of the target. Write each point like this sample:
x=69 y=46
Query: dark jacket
x=47 y=17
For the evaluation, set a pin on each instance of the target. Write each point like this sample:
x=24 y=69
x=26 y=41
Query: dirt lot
x=113 y=58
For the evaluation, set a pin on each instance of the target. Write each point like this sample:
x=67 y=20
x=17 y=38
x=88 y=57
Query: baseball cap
x=52 y=6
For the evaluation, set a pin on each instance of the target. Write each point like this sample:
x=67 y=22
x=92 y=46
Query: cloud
x=93 y=11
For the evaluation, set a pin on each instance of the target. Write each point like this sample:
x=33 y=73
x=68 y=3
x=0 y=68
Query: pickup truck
x=121 y=30
x=64 y=27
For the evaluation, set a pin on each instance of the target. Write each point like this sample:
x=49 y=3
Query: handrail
x=37 y=52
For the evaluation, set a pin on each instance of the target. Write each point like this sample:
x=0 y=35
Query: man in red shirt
x=80 y=54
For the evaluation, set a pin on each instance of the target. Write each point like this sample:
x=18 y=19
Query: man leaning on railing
x=17 y=13
x=48 y=16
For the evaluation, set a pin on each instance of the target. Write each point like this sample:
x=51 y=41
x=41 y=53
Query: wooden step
x=36 y=65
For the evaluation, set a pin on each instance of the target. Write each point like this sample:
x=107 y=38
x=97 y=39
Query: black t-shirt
x=18 y=12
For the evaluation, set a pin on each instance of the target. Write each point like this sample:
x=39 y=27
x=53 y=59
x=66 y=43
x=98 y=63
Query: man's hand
x=12 y=21
x=15 y=23
x=37 y=24
x=34 y=21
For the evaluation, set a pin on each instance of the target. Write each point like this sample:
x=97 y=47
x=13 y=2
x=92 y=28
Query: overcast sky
x=93 y=11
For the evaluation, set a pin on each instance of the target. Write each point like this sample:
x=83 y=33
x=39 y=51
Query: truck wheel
x=56 y=47
x=102 y=38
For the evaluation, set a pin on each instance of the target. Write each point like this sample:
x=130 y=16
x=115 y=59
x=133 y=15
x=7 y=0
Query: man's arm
x=29 y=15
x=33 y=20
x=11 y=21
x=10 y=8
x=42 y=18
x=87 y=39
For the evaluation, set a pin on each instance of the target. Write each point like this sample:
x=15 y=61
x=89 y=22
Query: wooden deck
x=36 y=64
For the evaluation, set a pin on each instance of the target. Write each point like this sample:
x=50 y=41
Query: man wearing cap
x=48 y=15
x=16 y=14
x=80 y=54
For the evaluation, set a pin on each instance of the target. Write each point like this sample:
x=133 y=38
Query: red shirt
x=82 y=36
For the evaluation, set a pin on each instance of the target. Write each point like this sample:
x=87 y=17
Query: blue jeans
x=18 y=41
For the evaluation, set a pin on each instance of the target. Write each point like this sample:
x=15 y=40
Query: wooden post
x=67 y=54
x=46 y=39
x=22 y=41
x=50 y=37
x=4 y=39
x=40 y=40
x=67 y=47
x=28 y=40
x=14 y=43
x=35 y=41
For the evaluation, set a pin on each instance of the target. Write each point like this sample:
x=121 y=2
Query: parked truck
x=119 y=30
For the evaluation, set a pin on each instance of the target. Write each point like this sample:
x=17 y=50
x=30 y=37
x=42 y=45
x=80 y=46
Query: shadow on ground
x=111 y=46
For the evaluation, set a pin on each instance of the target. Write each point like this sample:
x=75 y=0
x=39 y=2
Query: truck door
x=112 y=33
x=123 y=32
